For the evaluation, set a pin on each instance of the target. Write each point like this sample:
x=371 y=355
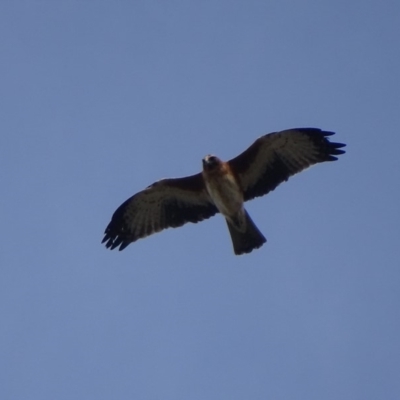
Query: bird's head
x=210 y=162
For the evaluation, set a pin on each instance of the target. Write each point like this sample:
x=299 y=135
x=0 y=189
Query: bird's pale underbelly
x=225 y=193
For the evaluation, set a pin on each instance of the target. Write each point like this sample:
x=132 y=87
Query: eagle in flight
x=222 y=187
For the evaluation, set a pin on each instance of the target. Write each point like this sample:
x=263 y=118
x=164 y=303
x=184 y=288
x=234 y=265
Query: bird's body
x=227 y=195
x=222 y=187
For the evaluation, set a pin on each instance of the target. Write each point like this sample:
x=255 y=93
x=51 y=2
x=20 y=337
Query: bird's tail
x=247 y=237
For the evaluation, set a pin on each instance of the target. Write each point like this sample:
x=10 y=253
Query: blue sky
x=99 y=100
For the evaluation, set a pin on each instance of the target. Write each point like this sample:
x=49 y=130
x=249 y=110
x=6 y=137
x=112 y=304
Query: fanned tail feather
x=249 y=239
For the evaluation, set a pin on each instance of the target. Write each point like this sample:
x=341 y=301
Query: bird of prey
x=222 y=187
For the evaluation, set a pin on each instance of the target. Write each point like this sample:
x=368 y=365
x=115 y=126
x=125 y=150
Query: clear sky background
x=99 y=100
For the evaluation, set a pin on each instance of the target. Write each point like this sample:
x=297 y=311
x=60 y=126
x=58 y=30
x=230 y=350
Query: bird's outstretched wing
x=274 y=157
x=168 y=203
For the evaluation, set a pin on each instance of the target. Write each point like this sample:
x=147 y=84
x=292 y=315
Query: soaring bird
x=222 y=187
